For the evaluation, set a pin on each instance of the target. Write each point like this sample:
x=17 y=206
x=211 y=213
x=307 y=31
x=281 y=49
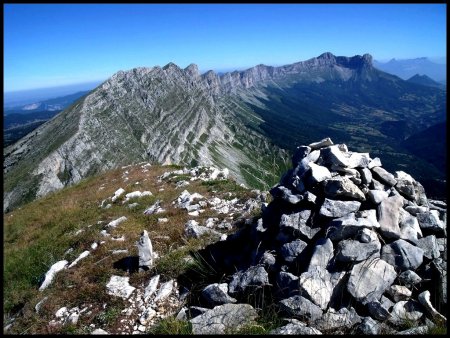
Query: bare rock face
x=403 y=255
x=222 y=318
x=389 y=213
x=336 y=208
x=370 y=279
x=301 y=307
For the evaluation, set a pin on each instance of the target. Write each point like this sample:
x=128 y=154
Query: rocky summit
x=344 y=247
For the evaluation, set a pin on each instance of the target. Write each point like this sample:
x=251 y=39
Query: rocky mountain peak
x=171 y=66
x=192 y=70
x=327 y=56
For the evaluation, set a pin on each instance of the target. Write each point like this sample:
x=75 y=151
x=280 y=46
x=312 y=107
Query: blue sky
x=49 y=45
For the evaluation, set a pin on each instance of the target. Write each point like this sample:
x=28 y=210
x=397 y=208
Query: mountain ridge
x=174 y=115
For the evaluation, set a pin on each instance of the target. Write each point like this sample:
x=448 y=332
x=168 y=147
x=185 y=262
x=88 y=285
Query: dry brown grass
x=39 y=233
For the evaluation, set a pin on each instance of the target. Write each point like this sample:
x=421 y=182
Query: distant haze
x=23 y=97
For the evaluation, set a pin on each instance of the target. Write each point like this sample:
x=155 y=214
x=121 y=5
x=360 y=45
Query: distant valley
x=21 y=120
x=246 y=121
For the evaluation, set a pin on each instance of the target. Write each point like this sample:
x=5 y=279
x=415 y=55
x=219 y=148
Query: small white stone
x=61 y=312
x=80 y=257
x=119 y=286
x=116 y=222
x=50 y=274
x=117 y=194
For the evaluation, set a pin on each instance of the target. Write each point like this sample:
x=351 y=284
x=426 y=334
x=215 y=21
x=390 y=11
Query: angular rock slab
x=369 y=326
x=300 y=307
x=384 y=176
x=424 y=299
x=290 y=251
x=321 y=144
x=336 y=208
x=286 y=194
x=164 y=291
x=377 y=196
x=319 y=173
x=430 y=221
x=151 y=287
x=332 y=155
x=287 y=283
x=402 y=254
x=333 y=320
x=322 y=254
x=316 y=286
x=399 y=292
x=350 y=225
x=255 y=276
x=217 y=294
x=405 y=185
x=297 y=222
x=405 y=311
x=378 y=311
x=369 y=279
x=223 y=318
x=388 y=212
x=409 y=278
x=342 y=186
x=430 y=246
x=354 y=251
x=119 y=286
x=409 y=227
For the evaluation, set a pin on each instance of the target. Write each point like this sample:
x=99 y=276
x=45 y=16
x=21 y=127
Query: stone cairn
x=344 y=247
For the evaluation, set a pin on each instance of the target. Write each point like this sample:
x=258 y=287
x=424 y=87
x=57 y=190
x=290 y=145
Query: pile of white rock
x=345 y=246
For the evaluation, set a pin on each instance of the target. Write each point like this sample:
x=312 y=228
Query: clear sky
x=58 y=44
